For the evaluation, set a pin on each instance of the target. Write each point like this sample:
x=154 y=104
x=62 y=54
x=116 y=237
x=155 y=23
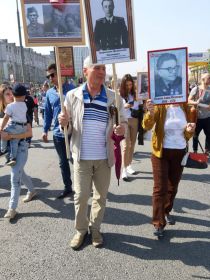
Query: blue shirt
x=67 y=87
x=52 y=110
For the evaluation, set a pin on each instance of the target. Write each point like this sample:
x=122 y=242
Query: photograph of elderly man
x=167 y=80
x=110 y=31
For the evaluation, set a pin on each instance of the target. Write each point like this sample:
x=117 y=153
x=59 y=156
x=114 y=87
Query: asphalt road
x=36 y=244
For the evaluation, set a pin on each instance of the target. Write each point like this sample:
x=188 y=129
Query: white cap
x=87 y=62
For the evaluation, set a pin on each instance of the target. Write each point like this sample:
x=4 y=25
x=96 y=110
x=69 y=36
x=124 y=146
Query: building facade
x=34 y=66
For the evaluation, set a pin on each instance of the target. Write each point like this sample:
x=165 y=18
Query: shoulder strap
x=201 y=147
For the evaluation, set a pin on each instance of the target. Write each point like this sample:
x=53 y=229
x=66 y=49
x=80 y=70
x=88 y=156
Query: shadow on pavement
x=193 y=253
x=147 y=200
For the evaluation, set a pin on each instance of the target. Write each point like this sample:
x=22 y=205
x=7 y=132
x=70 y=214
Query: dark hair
x=32 y=10
x=165 y=57
x=51 y=67
x=123 y=91
x=107 y=0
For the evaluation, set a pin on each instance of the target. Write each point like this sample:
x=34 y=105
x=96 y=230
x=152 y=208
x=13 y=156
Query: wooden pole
x=116 y=90
x=60 y=90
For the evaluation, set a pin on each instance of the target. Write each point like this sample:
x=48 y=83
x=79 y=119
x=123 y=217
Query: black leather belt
x=18 y=123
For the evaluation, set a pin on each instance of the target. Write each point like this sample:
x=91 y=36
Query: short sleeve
x=8 y=110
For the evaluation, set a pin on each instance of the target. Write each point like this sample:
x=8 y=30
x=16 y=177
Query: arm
x=151 y=115
x=48 y=116
x=7 y=136
x=121 y=129
x=4 y=121
x=193 y=98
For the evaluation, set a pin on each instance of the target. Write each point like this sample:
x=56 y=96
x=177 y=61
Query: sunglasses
x=52 y=75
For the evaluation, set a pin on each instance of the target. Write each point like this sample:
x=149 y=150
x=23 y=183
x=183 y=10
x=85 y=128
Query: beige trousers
x=90 y=175
x=128 y=143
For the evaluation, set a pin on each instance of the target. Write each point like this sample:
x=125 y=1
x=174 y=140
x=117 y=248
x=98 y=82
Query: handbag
x=195 y=160
x=138 y=114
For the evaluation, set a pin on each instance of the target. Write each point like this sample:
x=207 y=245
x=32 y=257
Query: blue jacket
x=52 y=110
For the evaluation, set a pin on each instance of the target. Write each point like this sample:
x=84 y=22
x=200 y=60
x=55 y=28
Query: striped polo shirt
x=95 y=120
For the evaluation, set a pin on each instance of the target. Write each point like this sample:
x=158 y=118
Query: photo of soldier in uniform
x=35 y=29
x=110 y=31
x=168 y=75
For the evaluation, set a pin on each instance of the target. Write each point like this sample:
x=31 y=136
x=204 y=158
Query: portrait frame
x=142 y=85
x=123 y=9
x=59 y=35
x=66 y=58
x=168 y=75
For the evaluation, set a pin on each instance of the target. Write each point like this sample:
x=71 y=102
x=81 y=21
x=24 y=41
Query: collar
x=101 y=93
x=110 y=19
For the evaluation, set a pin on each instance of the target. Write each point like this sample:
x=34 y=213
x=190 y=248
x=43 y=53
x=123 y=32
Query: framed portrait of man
x=111 y=30
x=142 y=85
x=168 y=75
x=46 y=24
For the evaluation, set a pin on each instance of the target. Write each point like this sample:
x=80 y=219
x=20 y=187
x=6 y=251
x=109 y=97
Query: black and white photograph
x=168 y=75
x=46 y=24
x=142 y=85
x=110 y=28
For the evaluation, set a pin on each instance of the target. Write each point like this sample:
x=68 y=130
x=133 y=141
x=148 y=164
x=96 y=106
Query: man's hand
x=119 y=130
x=63 y=119
x=45 y=137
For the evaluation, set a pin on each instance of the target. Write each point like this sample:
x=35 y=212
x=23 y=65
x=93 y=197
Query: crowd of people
x=87 y=116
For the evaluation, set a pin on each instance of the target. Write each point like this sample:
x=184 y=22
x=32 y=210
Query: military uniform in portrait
x=111 y=35
x=35 y=30
x=162 y=89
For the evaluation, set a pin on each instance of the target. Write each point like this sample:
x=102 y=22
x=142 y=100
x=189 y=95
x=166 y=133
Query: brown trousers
x=128 y=144
x=167 y=172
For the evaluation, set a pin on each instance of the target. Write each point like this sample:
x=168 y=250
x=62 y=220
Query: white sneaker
x=29 y=196
x=124 y=174
x=130 y=170
x=11 y=213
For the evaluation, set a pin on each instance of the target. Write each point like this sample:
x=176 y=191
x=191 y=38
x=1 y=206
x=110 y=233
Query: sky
x=159 y=24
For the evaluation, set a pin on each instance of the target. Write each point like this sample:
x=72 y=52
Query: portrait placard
x=110 y=30
x=142 y=85
x=168 y=81
x=48 y=25
x=66 y=61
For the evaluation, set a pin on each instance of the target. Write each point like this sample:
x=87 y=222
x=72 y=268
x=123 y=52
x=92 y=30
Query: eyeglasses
x=171 y=69
x=52 y=75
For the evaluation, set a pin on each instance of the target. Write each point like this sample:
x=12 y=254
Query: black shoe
x=170 y=220
x=159 y=232
x=65 y=193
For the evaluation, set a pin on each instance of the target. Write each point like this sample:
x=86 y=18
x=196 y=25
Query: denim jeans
x=60 y=147
x=13 y=129
x=18 y=175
